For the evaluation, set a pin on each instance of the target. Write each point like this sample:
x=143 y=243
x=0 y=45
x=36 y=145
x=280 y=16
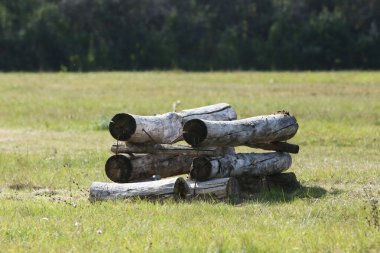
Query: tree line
x=84 y=35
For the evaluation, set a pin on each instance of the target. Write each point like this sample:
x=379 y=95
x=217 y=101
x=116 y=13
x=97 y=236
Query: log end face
x=200 y=169
x=181 y=189
x=194 y=132
x=122 y=126
x=118 y=168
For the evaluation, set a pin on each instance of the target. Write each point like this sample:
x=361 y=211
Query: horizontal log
x=253 y=184
x=165 y=128
x=123 y=168
x=235 y=165
x=219 y=188
x=250 y=131
x=171 y=187
x=277 y=146
x=170 y=149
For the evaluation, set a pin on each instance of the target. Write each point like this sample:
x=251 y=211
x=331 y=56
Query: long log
x=171 y=187
x=123 y=168
x=219 y=188
x=169 y=149
x=261 y=129
x=165 y=128
x=253 y=164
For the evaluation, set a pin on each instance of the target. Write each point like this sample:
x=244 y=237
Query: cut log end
x=201 y=169
x=181 y=189
x=194 y=132
x=122 y=126
x=118 y=168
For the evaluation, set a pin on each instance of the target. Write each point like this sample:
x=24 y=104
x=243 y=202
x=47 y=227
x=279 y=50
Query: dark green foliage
x=83 y=35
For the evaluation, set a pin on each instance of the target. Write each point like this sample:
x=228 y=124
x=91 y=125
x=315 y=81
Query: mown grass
x=53 y=145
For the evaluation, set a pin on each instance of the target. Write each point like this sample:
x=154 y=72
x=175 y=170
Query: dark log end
x=200 y=169
x=194 y=132
x=122 y=126
x=181 y=189
x=118 y=168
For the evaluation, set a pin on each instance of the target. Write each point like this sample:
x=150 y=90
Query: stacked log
x=146 y=152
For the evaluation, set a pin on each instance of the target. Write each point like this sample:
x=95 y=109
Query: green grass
x=53 y=145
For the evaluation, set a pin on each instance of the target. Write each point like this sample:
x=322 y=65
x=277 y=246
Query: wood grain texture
x=165 y=128
x=166 y=188
x=235 y=165
x=250 y=131
x=123 y=168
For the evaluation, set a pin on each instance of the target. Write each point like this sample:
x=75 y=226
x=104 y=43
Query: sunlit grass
x=53 y=145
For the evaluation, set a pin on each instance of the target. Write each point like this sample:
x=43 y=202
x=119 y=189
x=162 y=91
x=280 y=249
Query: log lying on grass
x=261 y=129
x=171 y=187
x=123 y=168
x=253 y=184
x=253 y=164
x=165 y=128
x=168 y=149
x=219 y=188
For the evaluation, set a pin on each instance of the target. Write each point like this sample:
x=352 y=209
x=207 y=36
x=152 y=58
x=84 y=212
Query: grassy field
x=53 y=144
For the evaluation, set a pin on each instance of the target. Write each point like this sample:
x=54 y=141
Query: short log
x=165 y=128
x=161 y=189
x=252 y=184
x=277 y=146
x=234 y=165
x=169 y=149
x=123 y=168
x=219 y=188
x=250 y=131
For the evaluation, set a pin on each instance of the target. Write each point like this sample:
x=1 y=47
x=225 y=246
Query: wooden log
x=169 y=149
x=123 y=168
x=277 y=146
x=165 y=128
x=252 y=184
x=171 y=187
x=253 y=164
x=219 y=188
x=261 y=129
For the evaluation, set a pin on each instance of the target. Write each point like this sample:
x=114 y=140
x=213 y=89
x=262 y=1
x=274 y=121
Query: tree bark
x=250 y=131
x=165 y=128
x=253 y=164
x=220 y=189
x=171 y=187
x=253 y=184
x=169 y=149
x=123 y=168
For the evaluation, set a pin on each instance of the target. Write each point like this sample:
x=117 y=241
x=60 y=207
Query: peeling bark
x=250 y=131
x=252 y=164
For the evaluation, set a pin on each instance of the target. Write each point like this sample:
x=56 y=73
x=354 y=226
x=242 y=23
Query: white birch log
x=165 y=128
x=169 y=149
x=171 y=187
x=219 y=188
x=123 y=168
x=261 y=129
x=252 y=164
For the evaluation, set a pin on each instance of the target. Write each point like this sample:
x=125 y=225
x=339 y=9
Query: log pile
x=146 y=162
